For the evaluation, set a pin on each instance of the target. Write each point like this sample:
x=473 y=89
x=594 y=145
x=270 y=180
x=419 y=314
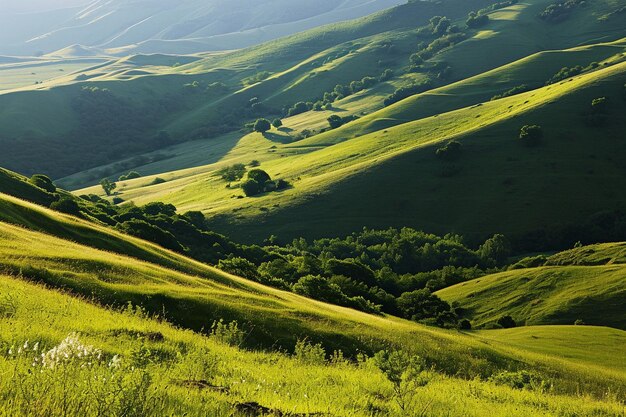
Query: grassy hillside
x=160 y=370
x=585 y=278
x=547 y=295
x=400 y=163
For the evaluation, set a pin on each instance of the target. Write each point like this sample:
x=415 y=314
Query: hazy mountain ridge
x=190 y=26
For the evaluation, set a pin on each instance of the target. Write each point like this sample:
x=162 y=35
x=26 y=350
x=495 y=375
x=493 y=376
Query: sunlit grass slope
x=590 y=286
x=193 y=295
x=337 y=189
x=166 y=371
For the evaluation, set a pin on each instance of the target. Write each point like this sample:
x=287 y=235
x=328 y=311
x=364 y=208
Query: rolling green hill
x=42 y=246
x=400 y=163
x=587 y=285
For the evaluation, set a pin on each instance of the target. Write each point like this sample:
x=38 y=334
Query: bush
x=519 y=380
x=465 y=324
x=298 y=108
x=450 y=151
x=43 y=182
x=259 y=175
x=476 y=20
x=506 y=322
x=233 y=172
x=157 y=181
x=118 y=200
x=251 y=188
x=227 y=333
x=531 y=135
x=66 y=205
x=335 y=121
x=277 y=123
x=262 y=125
x=308 y=353
x=130 y=176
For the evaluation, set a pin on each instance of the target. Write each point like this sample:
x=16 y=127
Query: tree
x=259 y=175
x=43 y=182
x=497 y=248
x=465 y=324
x=108 y=186
x=262 y=125
x=421 y=304
x=277 y=123
x=335 y=121
x=66 y=205
x=531 y=135
x=507 y=322
x=251 y=187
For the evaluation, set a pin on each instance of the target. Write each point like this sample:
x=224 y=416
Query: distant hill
x=160 y=26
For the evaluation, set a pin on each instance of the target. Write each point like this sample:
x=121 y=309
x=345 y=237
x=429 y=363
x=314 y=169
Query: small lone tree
x=277 y=123
x=531 y=135
x=335 y=121
x=262 y=125
x=43 y=182
x=108 y=186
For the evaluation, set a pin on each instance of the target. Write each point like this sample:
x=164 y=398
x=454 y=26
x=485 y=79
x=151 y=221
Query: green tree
x=259 y=175
x=335 y=121
x=108 y=186
x=251 y=188
x=277 y=123
x=507 y=322
x=531 y=135
x=43 y=182
x=262 y=125
x=66 y=205
x=497 y=248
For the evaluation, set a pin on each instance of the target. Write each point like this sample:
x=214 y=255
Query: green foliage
x=130 y=176
x=451 y=151
x=506 y=322
x=560 y=11
x=404 y=92
x=43 y=182
x=298 y=108
x=262 y=125
x=405 y=372
x=475 y=20
x=308 y=353
x=422 y=304
x=496 y=248
x=277 y=123
x=335 y=121
x=66 y=205
x=233 y=172
x=465 y=324
x=108 y=186
x=251 y=188
x=531 y=135
x=520 y=380
x=227 y=333
x=513 y=91
x=240 y=267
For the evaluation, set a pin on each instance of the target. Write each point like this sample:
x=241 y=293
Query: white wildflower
x=70 y=350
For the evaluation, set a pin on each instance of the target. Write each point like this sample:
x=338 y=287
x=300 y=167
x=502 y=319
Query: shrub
x=118 y=200
x=308 y=353
x=506 y=322
x=450 y=151
x=233 y=172
x=579 y=322
x=262 y=125
x=531 y=135
x=157 y=181
x=476 y=20
x=335 y=121
x=465 y=324
x=251 y=188
x=277 y=123
x=513 y=91
x=130 y=176
x=43 y=182
x=240 y=267
x=519 y=380
x=298 y=108
x=227 y=333
x=66 y=205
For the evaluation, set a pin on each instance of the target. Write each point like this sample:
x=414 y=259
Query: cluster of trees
x=559 y=11
x=335 y=121
x=513 y=91
x=404 y=92
x=130 y=176
x=259 y=182
x=476 y=20
x=233 y=172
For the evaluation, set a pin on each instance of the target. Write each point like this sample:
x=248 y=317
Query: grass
x=193 y=296
x=328 y=179
x=159 y=365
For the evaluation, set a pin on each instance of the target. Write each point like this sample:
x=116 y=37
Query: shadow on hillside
x=277 y=138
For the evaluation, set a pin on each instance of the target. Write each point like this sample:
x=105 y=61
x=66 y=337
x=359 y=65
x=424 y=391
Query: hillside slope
x=399 y=163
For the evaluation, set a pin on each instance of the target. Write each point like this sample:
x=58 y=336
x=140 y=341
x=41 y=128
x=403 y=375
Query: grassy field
x=547 y=295
x=151 y=368
x=399 y=162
